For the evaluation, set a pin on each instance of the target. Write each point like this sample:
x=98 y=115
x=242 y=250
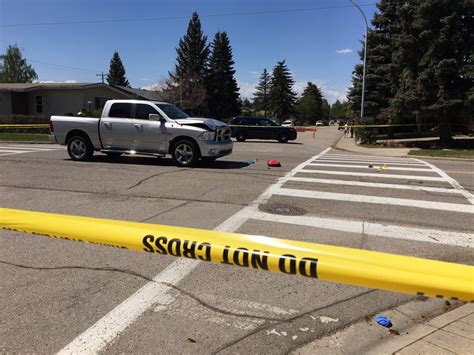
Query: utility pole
x=102 y=76
x=365 y=57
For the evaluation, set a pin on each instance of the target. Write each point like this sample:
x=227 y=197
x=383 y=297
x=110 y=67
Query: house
x=46 y=99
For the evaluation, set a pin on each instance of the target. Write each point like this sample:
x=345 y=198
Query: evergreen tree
x=15 y=68
x=441 y=82
x=379 y=85
x=310 y=106
x=281 y=95
x=116 y=75
x=186 y=85
x=222 y=89
x=261 y=101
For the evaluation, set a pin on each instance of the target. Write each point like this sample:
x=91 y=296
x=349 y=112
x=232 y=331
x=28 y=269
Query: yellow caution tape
x=345 y=265
x=24 y=125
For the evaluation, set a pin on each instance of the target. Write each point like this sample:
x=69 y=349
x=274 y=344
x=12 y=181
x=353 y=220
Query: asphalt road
x=57 y=295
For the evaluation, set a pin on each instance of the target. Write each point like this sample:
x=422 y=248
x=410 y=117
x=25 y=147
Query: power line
x=263 y=12
x=63 y=67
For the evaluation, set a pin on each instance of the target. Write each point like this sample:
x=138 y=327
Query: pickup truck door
x=116 y=129
x=149 y=136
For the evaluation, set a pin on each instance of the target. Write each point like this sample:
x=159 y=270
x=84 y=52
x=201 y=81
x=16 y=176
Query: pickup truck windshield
x=172 y=111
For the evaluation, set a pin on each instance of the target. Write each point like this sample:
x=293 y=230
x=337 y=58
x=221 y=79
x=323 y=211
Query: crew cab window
x=121 y=110
x=142 y=111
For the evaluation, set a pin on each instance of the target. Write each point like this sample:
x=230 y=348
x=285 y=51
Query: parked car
x=287 y=123
x=243 y=128
x=322 y=123
x=146 y=128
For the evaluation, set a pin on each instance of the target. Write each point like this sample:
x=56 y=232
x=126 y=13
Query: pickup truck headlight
x=207 y=136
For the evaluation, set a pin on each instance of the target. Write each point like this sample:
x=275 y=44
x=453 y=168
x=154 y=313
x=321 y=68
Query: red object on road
x=272 y=162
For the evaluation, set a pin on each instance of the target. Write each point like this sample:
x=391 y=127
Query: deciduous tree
x=14 y=68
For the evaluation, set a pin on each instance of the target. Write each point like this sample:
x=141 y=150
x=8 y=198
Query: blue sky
x=318 y=44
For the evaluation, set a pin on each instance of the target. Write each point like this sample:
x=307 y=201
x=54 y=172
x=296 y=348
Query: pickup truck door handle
x=107 y=124
x=137 y=125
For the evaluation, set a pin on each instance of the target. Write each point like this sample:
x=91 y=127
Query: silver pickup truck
x=143 y=127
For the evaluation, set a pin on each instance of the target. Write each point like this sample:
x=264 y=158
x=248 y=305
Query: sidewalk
x=412 y=333
x=348 y=144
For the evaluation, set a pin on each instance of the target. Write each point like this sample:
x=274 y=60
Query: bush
x=17 y=119
x=366 y=135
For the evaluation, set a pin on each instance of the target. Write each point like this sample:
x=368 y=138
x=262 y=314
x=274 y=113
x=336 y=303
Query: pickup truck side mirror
x=156 y=117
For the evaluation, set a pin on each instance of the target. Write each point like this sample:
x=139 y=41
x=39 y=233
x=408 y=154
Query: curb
x=336 y=146
x=411 y=322
x=426 y=157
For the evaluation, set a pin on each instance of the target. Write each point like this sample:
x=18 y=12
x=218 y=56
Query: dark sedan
x=243 y=128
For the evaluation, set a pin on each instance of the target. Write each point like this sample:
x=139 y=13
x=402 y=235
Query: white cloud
x=344 y=51
x=71 y=81
x=153 y=87
x=246 y=89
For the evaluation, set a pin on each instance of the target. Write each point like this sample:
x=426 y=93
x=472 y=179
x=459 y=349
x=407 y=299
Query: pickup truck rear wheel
x=241 y=137
x=185 y=153
x=80 y=148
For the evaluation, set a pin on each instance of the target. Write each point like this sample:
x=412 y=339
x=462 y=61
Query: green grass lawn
x=443 y=153
x=23 y=137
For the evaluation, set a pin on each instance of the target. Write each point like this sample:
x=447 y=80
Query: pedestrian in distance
x=346 y=130
x=352 y=129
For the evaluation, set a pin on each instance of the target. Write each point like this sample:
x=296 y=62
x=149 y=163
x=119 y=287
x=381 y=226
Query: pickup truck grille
x=222 y=134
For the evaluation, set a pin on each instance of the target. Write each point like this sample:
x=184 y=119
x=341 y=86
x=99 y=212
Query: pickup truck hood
x=210 y=123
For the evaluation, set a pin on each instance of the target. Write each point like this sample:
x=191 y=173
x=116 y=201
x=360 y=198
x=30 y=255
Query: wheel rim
x=78 y=149
x=184 y=153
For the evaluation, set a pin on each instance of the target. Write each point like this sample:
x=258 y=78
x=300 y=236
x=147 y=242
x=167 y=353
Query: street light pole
x=365 y=57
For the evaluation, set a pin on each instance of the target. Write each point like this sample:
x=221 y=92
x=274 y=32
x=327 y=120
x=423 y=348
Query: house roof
x=21 y=87
x=132 y=92
x=142 y=93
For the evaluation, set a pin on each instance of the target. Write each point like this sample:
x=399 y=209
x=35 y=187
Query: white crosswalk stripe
x=347 y=165
x=13 y=148
x=386 y=176
x=365 y=167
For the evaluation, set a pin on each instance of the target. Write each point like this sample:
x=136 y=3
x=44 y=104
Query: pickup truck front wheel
x=185 y=153
x=80 y=148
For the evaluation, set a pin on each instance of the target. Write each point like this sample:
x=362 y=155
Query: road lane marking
x=235 y=310
x=450 y=180
x=368 y=157
x=365 y=167
x=377 y=185
x=391 y=201
x=104 y=331
x=364 y=162
x=379 y=175
x=374 y=158
x=11 y=151
x=375 y=229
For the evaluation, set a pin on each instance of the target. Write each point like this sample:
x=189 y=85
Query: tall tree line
x=274 y=95
x=419 y=65
x=203 y=81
